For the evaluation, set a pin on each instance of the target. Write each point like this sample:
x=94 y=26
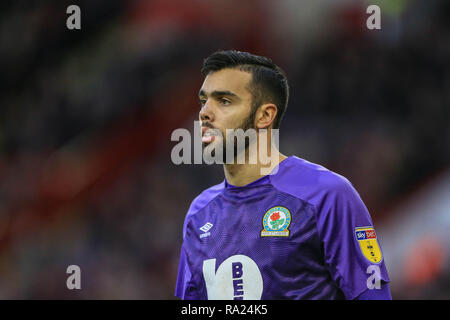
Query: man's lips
x=207 y=137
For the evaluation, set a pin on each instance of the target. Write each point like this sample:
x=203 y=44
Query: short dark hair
x=269 y=83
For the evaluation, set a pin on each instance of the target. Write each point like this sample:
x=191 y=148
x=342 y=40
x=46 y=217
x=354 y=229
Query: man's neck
x=242 y=174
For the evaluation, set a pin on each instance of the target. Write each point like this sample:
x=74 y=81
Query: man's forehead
x=232 y=80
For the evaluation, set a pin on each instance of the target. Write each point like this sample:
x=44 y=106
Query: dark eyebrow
x=218 y=93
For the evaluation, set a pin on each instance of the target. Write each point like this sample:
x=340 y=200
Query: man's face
x=226 y=104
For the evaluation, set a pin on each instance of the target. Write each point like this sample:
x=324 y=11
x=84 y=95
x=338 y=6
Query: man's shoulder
x=205 y=197
x=309 y=181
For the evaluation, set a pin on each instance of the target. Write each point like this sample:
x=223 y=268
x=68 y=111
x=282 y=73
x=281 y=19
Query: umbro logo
x=205 y=229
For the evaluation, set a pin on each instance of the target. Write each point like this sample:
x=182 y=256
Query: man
x=300 y=232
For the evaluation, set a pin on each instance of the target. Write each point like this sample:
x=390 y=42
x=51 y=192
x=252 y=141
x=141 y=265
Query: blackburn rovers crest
x=367 y=239
x=276 y=222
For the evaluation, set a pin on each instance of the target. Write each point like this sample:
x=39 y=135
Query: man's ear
x=265 y=115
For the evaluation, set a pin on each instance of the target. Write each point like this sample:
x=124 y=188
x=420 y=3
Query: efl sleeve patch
x=367 y=239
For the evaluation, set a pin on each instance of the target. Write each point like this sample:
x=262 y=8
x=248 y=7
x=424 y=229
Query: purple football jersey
x=302 y=233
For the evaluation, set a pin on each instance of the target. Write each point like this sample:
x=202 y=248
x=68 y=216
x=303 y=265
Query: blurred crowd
x=86 y=115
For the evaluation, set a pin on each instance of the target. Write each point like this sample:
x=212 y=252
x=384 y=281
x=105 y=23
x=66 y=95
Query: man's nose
x=206 y=113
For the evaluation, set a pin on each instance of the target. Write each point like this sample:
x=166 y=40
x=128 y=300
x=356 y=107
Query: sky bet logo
x=365 y=234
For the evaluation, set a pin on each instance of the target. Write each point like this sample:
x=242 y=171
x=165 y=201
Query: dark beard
x=247 y=123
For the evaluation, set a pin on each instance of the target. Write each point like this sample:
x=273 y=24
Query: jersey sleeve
x=183 y=277
x=350 y=245
x=185 y=286
x=384 y=293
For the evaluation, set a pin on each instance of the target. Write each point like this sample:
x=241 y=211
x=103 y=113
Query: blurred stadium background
x=86 y=117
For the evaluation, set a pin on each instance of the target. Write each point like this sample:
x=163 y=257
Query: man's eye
x=202 y=102
x=224 y=101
